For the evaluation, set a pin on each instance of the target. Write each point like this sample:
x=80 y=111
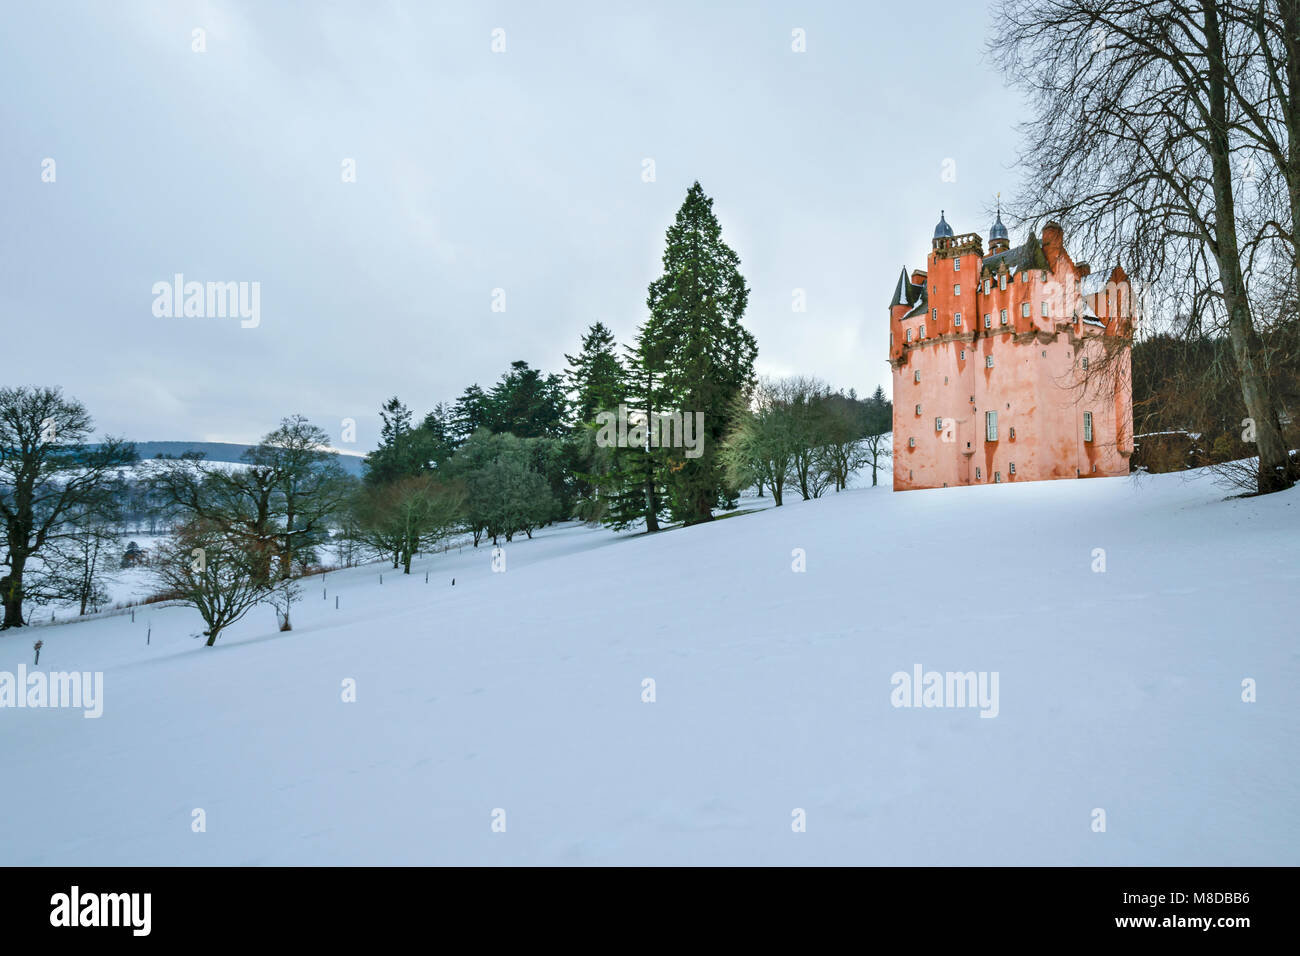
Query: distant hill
x=226 y=451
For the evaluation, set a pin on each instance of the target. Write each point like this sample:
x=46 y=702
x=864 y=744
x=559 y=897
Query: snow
x=522 y=691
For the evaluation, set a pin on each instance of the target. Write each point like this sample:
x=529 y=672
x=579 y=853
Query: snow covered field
x=522 y=691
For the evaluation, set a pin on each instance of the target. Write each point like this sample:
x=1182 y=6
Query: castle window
x=956 y=264
x=918 y=409
x=977 y=473
x=934 y=314
x=1003 y=316
x=1012 y=435
x=1025 y=309
x=1002 y=281
x=997 y=477
x=988 y=321
x=1087 y=426
x=1044 y=307
x=988 y=361
x=1085 y=363
x=957 y=319
x=916 y=376
x=1012 y=468
x=963 y=355
x=956 y=289
x=1024 y=277
x=938 y=424
x=922 y=331
x=911 y=443
x=990 y=426
x=891 y=340
x=909 y=335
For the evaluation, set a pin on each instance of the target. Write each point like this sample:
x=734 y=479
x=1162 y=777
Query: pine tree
x=469 y=414
x=596 y=382
x=696 y=308
x=403 y=451
x=632 y=483
x=595 y=376
x=526 y=404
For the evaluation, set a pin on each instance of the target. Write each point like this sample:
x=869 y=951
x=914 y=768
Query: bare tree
x=760 y=448
x=208 y=569
x=310 y=486
x=47 y=474
x=74 y=568
x=1140 y=112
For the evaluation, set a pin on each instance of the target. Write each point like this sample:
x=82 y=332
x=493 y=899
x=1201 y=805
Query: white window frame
x=990 y=426
x=918 y=408
x=1002 y=317
x=938 y=424
x=909 y=335
x=1087 y=426
x=957 y=319
x=988 y=320
x=1002 y=282
x=1026 y=310
x=956 y=288
x=916 y=375
x=956 y=264
x=988 y=361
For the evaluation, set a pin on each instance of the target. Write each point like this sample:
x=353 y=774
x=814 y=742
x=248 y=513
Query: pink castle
x=1013 y=366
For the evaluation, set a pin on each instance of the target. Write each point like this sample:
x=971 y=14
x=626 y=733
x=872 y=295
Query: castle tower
x=1006 y=367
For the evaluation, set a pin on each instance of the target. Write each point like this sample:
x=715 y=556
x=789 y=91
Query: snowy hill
x=228 y=452
x=522 y=691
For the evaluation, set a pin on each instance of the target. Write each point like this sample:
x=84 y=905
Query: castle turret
x=999 y=241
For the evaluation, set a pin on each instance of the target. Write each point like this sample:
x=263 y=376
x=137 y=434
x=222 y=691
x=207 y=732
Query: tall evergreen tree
x=696 y=308
x=526 y=403
x=440 y=427
x=469 y=414
x=403 y=451
x=632 y=479
x=595 y=375
x=596 y=382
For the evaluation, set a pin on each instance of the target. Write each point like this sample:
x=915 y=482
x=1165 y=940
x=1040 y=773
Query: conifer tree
x=633 y=482
x=595 y=375
x=696 y=308
x=596 y=382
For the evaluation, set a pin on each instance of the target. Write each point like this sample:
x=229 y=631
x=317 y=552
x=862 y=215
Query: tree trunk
x=1274 y=465
x=651 y=506
x=12 y=587
x=1289 y=13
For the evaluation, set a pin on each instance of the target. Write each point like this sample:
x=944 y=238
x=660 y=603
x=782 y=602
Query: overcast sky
x=520 y=170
